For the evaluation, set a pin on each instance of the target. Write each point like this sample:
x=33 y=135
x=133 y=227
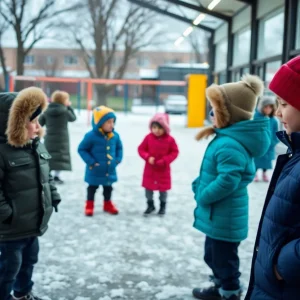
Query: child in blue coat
x=267 y=108
x=221 y=187
x=275 y=272
x=102 y=151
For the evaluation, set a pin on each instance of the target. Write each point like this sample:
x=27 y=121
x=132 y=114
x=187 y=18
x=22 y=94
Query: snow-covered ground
x=129 y=256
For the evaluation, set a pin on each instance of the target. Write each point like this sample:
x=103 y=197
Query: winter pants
x=17 y=259
x=162 y=196
x=91 y=191
x=222 y=257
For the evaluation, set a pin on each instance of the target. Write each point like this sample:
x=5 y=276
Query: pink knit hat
x=163 y=120
x=286 y=82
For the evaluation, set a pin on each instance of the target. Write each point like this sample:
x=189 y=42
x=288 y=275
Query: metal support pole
x=78 y=96
x=254 y=37
x=126 y=96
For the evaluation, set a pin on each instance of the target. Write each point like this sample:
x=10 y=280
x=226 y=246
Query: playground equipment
x=195 y=92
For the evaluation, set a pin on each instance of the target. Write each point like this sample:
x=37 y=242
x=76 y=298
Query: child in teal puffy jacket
x=266 y=109
x=221 y=188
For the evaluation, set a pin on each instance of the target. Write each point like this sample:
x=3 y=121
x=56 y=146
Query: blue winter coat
x=278 y=237
x=101 y=148
x=227 y=169
x=265 y=162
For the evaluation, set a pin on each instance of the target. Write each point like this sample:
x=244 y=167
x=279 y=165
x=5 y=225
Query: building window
x=221 y=55
x=70 y=60
x=143 y=62
x=298 y=27
x=245 y=70
x=50 y=60
x=222 y=78
x=29 y=60
x=172 y=61
x=242 y=44
x=271 y=69
x=91 y=60
x=236 y=75
x=270 y=41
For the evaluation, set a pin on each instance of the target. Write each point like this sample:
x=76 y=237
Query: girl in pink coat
x=159 y=150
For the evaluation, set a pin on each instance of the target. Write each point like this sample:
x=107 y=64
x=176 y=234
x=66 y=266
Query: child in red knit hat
x=159 y=150
x=275 y=270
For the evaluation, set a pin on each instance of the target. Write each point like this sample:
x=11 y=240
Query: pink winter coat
x=164 y=149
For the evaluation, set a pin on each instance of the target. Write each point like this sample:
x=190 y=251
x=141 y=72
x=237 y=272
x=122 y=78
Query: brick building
x=69 y=62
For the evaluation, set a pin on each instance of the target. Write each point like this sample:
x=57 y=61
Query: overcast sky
x=172 y=30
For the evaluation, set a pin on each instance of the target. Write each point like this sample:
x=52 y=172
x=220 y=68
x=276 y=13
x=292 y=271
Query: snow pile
x=170 y=291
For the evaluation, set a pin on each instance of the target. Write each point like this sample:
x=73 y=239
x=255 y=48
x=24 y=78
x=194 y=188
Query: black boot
x=211 y=293
x=58 y=180
x=150 y=209
x=162 y=210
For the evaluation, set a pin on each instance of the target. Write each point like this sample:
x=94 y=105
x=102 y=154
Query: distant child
x=57 y=140
x=102 y=151
x=275 y=272
x=267 y=108
x=221 y=187
x=27 y=191
x=159 y=150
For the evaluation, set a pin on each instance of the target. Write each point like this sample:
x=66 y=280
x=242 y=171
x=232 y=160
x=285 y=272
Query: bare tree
x=30 y=30
x=199 y=46
x=108 y=27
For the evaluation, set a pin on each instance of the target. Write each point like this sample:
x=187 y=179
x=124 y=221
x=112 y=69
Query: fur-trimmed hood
x=232 y=102
x=22 y=108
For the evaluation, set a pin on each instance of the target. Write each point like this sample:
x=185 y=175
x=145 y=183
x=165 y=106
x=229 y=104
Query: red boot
x=110 y=208
x=89 y=208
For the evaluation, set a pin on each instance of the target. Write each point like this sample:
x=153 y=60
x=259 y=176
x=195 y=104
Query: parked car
x=176 y=104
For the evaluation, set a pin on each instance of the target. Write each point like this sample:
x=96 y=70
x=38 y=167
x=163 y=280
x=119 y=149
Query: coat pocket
x=18 y=162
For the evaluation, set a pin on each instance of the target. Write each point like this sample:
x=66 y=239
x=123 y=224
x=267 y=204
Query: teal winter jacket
x=227 y=169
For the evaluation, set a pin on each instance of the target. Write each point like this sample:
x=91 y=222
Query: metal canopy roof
x=225 y=7
x=188 y=10
x=210 y=21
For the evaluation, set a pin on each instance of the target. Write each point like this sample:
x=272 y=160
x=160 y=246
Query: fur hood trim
x=216 y=97
x=24 y=105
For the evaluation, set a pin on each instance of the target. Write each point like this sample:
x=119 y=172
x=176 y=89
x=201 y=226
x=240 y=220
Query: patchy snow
x=128 y=256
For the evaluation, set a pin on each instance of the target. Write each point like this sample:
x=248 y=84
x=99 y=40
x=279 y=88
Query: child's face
x=289 y=116
x=157 y=131
x=33 y=128
x=108 y=126
x=268 y=109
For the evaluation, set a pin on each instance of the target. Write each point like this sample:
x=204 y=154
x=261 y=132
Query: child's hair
x=156 y=124
x=60 y=97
